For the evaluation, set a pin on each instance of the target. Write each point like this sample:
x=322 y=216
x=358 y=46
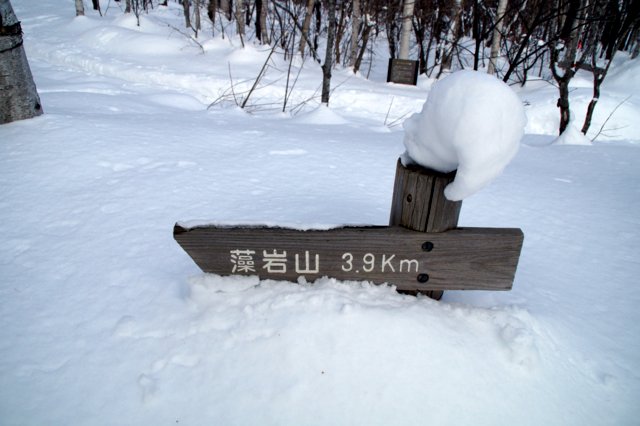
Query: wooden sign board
x=403 y=71
x=459 y=259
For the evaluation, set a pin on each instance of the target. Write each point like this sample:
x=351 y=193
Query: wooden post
x=419 y=204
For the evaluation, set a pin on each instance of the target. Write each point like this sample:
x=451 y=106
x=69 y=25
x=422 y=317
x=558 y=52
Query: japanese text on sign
x=275 y=262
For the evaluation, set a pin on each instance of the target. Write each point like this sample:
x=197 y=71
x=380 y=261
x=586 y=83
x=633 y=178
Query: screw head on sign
x=427 y=246
x=423 y=278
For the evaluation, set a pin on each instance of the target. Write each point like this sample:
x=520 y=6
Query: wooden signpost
x=421 y=250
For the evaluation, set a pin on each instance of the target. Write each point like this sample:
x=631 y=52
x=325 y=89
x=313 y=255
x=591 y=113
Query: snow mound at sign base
x=471 y=122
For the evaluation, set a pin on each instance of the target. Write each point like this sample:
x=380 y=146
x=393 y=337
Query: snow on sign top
x=471 y=122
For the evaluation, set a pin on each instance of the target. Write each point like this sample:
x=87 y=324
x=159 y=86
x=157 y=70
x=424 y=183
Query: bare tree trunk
x=598 y=77
x=392 y=31
x=477 y=35
x=563 y=69
x=365 y=40
x=407 y=16
x=328 y=58
x=305 y=26
x=434 y=35
x=211 y=12
x=636 y=49
x=451 y=41
x=79 y=8
x=563 y=103
x=340 y=25
x=355 y=31
x=497 y=36
x=225 y=7
x=19 y=98
x=259 y=12
x=196 y=5
x=127 y=7
x=263 y=21
x=187 y=13
x=317 y=8
x=239 y=15
x=590 y=46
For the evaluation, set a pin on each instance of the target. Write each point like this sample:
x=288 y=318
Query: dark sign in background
x=403 y=71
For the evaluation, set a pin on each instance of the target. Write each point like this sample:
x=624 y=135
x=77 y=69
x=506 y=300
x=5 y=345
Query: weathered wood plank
x=419 y=203
x=459 y=259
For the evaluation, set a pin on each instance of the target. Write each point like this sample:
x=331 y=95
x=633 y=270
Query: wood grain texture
x=459 y=259
x=419 y=203
x=418 y=200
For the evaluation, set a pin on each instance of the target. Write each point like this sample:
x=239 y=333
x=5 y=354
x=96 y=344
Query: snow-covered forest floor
x=104 y=319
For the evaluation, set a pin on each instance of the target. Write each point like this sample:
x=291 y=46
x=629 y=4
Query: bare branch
x=609 y=117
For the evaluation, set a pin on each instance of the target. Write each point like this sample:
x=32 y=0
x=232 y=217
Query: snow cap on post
x=471 y=122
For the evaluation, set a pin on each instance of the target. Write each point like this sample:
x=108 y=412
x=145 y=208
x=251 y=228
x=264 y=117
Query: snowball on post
x=471 y=122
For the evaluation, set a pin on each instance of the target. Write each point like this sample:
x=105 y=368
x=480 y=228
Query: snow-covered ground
x=104 y=320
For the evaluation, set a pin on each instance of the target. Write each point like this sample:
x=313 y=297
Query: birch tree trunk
x=305 y=26
x=407 y=17
x=497 y=36
x=79 y=8
x=19 y=98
